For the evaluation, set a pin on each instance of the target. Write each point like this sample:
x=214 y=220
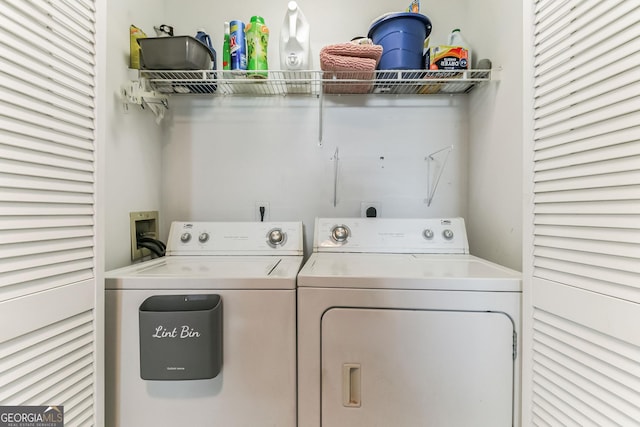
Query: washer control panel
x=243 y=238
x=391 y=235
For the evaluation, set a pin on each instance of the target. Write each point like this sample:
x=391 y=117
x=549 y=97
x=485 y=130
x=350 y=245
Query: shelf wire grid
x=313 y=82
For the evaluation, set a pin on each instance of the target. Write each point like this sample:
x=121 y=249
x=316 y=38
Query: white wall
x=224 y=155
x=133 y=140
x=494 y=219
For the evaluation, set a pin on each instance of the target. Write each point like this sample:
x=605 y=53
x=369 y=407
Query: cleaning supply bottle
x=237 y=45
x=257 y=35
x=206 y=40
x=226 y=49
x=456 y=39
x=294 y=40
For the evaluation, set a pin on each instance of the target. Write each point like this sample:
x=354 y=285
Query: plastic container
x=257 y=35
x=180 y=337
x=402 y=37
x=295 y=52
x=456 y=39
x=174 y=53
x=206 y=40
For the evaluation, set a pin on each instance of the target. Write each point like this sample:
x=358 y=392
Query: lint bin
x=402 y=37
x=180 y=337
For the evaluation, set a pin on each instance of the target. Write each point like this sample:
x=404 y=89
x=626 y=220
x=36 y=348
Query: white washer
x=399 y=326
x=253 y=268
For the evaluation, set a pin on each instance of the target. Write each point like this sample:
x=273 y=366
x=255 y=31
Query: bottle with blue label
x=237 y=45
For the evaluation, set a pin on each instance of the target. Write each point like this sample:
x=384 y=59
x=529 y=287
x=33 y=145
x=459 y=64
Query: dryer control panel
x=235 y=238
x=391 y=235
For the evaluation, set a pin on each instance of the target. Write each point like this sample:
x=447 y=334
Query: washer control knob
x=203 y=237
x=428 y=234
x=447 y=234
x=185 y=237
x=340 y=233
x=276 y=237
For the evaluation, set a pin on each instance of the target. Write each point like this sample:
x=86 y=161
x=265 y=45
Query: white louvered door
x=582 y=304
x=47 y=221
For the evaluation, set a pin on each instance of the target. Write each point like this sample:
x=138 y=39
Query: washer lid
x=407 y=271
x=208 y=272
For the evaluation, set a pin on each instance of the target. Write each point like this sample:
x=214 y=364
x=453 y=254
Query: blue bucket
x=401 y=36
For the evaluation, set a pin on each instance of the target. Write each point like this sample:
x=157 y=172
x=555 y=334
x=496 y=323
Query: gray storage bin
x=174 y=53
x=180 y=337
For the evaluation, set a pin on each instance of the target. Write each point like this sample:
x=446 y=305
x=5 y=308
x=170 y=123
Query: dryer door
x=387 y=367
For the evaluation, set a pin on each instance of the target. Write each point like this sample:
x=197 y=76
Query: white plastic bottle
x=294 y=40
x=456 y=39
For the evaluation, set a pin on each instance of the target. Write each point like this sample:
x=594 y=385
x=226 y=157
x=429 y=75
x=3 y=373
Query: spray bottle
x=226 y=49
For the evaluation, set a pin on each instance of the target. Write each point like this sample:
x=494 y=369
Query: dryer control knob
x=340 y=233
x=185 y=237
x=203 y=237
x=447 y=234
x=276 y=237
x=428 y=234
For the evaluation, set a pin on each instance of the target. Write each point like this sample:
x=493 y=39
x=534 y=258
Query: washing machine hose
x=157 y=247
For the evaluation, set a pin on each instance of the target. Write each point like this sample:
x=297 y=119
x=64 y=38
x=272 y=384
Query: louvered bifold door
x=586 y=214
x=47 y=282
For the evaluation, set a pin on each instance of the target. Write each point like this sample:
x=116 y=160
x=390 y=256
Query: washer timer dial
x=276 y=237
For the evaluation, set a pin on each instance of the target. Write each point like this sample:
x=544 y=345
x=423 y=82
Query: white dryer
x=399 y=326
x=206 y=335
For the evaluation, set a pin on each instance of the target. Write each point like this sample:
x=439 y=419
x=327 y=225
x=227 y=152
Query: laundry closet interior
x=218 y=157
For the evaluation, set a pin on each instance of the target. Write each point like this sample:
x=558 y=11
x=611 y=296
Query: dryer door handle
x=351 y=378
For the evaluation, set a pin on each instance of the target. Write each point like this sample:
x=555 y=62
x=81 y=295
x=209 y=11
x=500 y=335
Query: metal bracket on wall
x=433 y=164
x=137 y=92
x=320 y=108
x=336 y=159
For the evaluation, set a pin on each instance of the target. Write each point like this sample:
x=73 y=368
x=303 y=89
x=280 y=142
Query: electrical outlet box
x=144 y=224
x=370 y=209
x=267 y=211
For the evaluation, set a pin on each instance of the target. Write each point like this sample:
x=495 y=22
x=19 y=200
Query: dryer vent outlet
x=370 y=209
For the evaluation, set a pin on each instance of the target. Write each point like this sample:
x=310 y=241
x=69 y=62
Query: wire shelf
x=313 y=83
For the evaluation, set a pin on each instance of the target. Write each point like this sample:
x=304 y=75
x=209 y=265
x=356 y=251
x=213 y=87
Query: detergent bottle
x=294 y=40
x=257 y=36
x=206 y=40
x=456 y=39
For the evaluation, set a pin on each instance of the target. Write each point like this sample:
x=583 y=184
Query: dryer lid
x=448 y=272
